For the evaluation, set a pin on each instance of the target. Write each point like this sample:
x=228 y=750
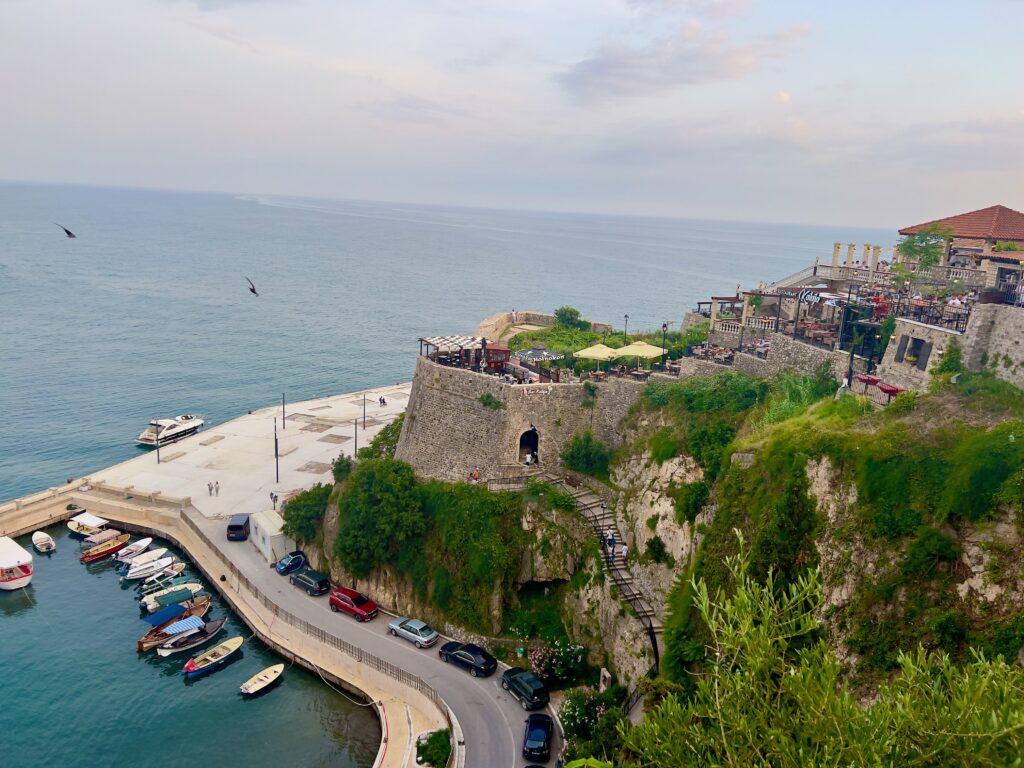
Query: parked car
x=469 y=656
x=238 y=527
x=415 y=631
x=537 y=738
x=293 y=561
x=353 y=603
x=314 y=582
x=526 y=687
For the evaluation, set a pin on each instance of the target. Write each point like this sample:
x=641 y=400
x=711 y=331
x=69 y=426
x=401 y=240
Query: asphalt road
x=492 y=720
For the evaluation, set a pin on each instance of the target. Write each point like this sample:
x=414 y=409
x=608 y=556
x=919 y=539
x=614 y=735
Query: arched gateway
x=529 y=442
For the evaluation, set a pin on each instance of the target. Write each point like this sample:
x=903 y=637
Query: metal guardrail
x=634 y=695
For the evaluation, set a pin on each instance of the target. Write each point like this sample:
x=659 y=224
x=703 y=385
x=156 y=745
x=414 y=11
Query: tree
x=569 y=317
x=586 y=454
x=951 y=359
x=378 y=510
x=384 y=442
x=928 y=247
x=304 y=512
x=772 y=694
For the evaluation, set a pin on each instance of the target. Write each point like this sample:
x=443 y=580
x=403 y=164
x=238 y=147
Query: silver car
x=415 y=631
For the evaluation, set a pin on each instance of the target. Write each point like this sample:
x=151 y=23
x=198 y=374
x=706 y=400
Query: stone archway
x=529 y=445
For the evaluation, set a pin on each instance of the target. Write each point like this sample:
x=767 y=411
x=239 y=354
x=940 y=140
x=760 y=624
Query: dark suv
x=314 y=582
x=526 y=687
x=537 y=738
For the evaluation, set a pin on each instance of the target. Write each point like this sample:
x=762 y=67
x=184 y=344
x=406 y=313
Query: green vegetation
x=538 y=615
x=1006 y=245
x=304 y=513
x=586 y=454
x=436 y=750
x=591 y=722
x=341 y=468
x=569 y=317
x=927 y=247
x=951 y=360
x=773 y=694
x=487 y=400
x=384 y=442
x=657 y=552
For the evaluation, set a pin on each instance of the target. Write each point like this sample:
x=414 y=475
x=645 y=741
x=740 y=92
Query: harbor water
x=76 y=693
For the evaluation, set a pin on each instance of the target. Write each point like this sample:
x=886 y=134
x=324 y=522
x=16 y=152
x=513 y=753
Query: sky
x=868 y=113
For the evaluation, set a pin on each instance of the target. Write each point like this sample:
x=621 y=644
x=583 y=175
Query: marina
x=104 y=680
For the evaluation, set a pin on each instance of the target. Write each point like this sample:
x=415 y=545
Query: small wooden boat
x=166 y=578
x=261 y=680
x=170 y=596
x=147 y=569
x=43 y=543
x=84 y=524
x=192 y=618
x=186 y=641
x=135 y=548
x=106 y=549
x=141 y=557
x=176 y=611
x=102 y=537
x=212 y=659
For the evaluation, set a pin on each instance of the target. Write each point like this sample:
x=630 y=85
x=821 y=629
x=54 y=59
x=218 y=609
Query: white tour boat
x=170 y=430
x=15 y=564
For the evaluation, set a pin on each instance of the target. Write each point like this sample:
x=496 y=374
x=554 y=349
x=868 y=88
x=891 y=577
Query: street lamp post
x=664 y=348
x=277 y=468
x=157 y=422
x=284 y=421
x=625 y=330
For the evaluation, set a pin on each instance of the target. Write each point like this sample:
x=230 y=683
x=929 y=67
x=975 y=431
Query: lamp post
x=664 y=349
x=277 y=468
x=284 y=421
x=157 y=423
x=625 y=330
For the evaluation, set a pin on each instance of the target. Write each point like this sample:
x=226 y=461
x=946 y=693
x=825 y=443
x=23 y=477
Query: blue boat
x=214 y=658
x=165 y=614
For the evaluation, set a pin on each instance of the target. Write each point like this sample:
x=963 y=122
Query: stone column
x=895 y=255
x=746 y=310
x=867 y=253
x=714 y=313
x=876 y=253
x=835 y=254
x=850 y=248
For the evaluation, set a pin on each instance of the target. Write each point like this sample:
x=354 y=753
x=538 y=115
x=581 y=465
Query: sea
x=147 y=313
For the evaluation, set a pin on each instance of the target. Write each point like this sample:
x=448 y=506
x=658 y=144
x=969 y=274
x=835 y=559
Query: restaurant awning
x=597 y=352
x=452 y=343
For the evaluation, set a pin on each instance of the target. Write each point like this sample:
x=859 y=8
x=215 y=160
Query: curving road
x=491 y=720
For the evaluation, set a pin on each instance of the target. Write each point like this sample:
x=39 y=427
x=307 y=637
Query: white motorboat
x=86 y=524
x=43 y=542
x=142 y=557
x=164 y=431
x=135 y=548
x=169 y=596
x=147 y=569
x=15 y=564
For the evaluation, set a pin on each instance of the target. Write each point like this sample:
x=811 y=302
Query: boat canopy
x=191 y=623
x=12 y=554
x=102 y=536
x=85 y=518
x=166 y=614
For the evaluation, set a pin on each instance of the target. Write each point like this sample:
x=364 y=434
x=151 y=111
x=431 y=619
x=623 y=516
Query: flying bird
x=67 y=231
x=252 y=288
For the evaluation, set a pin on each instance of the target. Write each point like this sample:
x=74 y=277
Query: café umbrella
x=640 y=349
x=597 y=352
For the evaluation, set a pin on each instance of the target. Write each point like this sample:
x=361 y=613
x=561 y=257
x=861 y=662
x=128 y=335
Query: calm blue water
x=148 y=314
x=76 y=693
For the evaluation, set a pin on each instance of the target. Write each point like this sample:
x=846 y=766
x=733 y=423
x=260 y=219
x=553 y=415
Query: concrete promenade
x=413 y=690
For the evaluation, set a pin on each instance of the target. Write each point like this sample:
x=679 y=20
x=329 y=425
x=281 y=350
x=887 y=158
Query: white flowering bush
x=560 y=662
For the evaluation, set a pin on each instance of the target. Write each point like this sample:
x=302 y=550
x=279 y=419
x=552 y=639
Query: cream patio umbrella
x=640 y=349
x=597 y=352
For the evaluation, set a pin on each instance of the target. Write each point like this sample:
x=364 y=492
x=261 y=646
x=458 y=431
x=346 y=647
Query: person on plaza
x=529 y=459
x=209 y=488
x=216 y=488
x=475 y=475
x=515 y=316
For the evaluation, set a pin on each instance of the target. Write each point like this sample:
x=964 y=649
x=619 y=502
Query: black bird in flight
x=67 y=231
x=252 y=288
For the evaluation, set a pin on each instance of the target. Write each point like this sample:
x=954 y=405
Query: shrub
x=951 y=361
x=487 y=400
x=586 y=454
x=902 y=404
x=690 y=500
x=569 y=317
x=657 y=551
x=664 y=446
x=304 y=513
x=384 y=442
x=341 y=468
x=436 y=750
x=930 y=548
x=590 y=721
x=706 y=443
x=559 y=663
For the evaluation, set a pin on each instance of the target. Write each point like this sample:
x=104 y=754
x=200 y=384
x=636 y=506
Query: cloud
x=216 y=5
x=782 y=97
x=711 y=9
x=407 y=109
x=695 y=55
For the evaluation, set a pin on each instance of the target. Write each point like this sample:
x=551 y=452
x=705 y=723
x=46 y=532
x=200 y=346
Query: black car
x=526 y=687
x=314 y=582
x=469 y=656
x=537 y=739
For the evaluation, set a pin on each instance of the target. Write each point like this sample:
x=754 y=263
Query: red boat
x=106 y=549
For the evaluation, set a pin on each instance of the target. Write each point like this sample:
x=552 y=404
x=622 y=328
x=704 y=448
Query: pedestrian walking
x=624 y=551
x=611 y=547
x=216 y=488
x=515 y=316
x=209 y=488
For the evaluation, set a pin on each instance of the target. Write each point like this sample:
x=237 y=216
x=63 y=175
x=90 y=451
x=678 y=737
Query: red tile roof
x=994 y=223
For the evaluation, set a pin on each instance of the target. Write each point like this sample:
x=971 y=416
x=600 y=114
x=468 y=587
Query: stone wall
x=448 y=431
x=786 y=354
x=995 y=337
x=926 y=343
x=691 y=319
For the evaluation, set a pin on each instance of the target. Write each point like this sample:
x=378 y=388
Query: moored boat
x=43 y=543
x=140 y=558
x=164 y=431
x=190 y=620
x=134 y=549
x=106 y=549
x=15 y=564
x=100 y=538
x=212 y=659
x=261 y=680
x=85 y=524
x=176 y=611
x=170 y=596
x=166 y=578
x=148 y=568
x=186 y=641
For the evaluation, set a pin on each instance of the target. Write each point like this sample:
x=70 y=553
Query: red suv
x=355 y=603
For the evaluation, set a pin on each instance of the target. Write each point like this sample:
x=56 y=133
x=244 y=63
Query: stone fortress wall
x=448 y=431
